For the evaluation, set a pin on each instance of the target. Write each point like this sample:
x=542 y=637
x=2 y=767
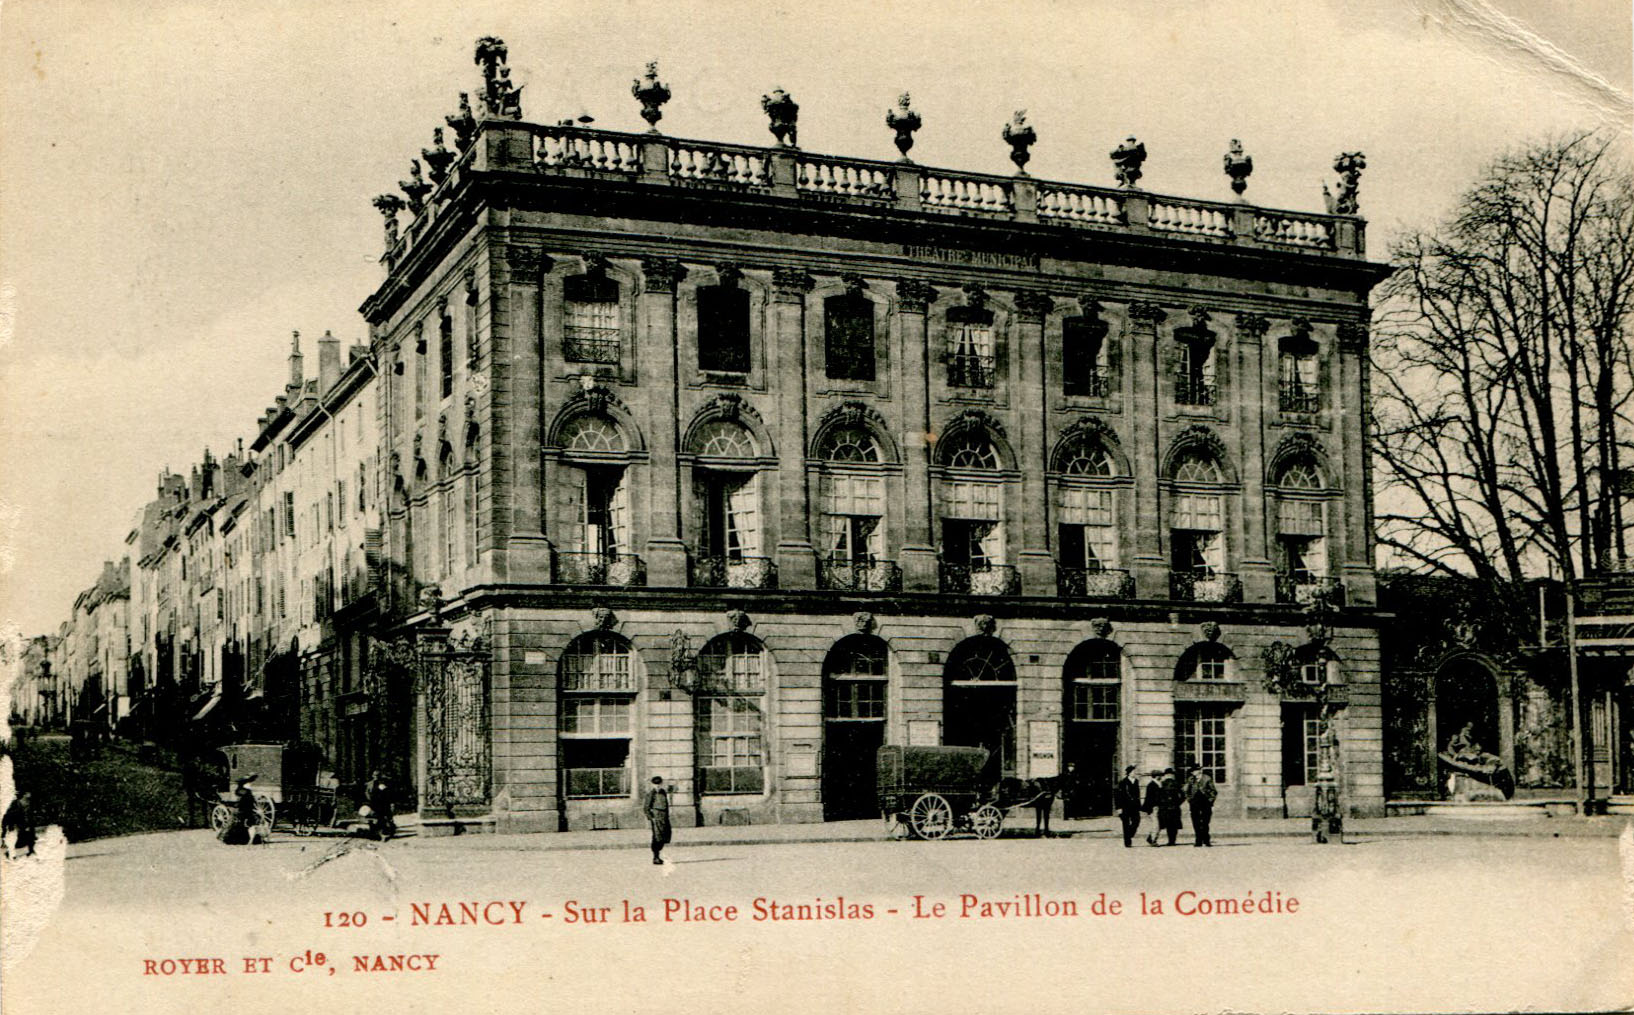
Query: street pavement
x=1408 y=916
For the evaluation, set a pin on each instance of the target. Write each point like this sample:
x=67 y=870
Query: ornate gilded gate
x=454 y=684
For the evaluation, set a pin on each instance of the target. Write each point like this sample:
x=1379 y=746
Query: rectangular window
x=1093 y=702
x=419 y=372
x=1301 y=732
x=971 y=359
x=340 y=501
x=606 y=512
x=1303 y=558
x=1087 y=531
x=595 y=715
x=848 y=334
x=852 y=508
x=1298 y=383
x=1200 y=738
x=723 y=329
x=445 y=355
x=445 y=517
x=733 y=747
x=1083 y=350
x=590 y=332
x=470 y=323
x=732 y=522
x=855 y=699
x=471 y=517
x=596 y=766
x=289 y=515
x=1194 y=374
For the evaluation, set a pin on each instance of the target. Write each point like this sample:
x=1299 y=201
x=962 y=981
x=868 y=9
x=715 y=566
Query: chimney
x=295 y=360
x=328 y=362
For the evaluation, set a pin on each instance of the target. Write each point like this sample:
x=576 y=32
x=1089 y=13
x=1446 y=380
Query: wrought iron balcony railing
x=1298 y=398
x=970 y=370
x=1305 y=589
x=574 y=567
x=860 y=575
x=980 y=579
x=1094 y=583
x=1091 y=383
x=1205 y=587
x=1188 y=391
x=734 y=573
x=594 y=346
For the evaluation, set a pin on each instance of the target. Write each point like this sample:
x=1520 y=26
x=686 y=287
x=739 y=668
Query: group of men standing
x=1163 y=796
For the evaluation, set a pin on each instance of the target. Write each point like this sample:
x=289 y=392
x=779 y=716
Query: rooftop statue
x=652 y=94
x=1349 y=166
x=415 y=187
x=1127 y=159
x=1021 y=136
x=462 y=122
x=500 y=98
x=1238 y=166
x=438 y=157
x=904 y=121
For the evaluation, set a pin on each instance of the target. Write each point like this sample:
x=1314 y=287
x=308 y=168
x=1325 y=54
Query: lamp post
x=685 y=677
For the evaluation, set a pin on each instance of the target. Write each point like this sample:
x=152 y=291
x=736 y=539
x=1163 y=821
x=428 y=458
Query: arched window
x=592 y=433
x=850 y=444
x=731 y=704
x=969 y=449
x=1301 y=532
x=598 y=687
x=1196 y=526
x=854 y=699
x=979 y=699
x=1094 y=674
x=1086 y=516
x=1201 y=727
x=1206 y=660
x=723 y=439
x=590 y=328
x=855 y=674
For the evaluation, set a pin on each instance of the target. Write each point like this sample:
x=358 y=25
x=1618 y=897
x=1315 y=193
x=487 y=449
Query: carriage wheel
x=220 y=817
x=987 y=821
x=265 y=811
x=930 y=817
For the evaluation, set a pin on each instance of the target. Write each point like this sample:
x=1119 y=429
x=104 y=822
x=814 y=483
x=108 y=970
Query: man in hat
x=656 y=806
x=1126 y=802
x=1200 y=793
x=1163 y=797
x=379 y=798
x=17 y=820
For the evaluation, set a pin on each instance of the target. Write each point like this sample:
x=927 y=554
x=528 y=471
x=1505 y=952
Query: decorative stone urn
x=1127 y=159
x=1021 y=136
x=1238 y=166
x=904 y=121
x=784 y=113
x=652 y=94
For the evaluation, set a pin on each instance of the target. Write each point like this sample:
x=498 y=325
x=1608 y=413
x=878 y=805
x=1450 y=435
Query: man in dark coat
x=17 y=819
x=1200 y=793
x=1163 y=797
x=656 y=807
x=379 y=798
x=1126 y=801
x=245 y=828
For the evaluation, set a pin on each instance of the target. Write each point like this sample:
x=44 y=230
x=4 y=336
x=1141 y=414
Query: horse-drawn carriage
x=933 y=791
x=286 y=781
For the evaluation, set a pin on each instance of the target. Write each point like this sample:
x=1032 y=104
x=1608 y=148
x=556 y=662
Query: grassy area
x=109 y=794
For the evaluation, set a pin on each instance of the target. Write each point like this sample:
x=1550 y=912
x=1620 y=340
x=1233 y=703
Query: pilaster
x=796 y=559
x=919 y=561
x=665 y=552
x=1150 y=569
x=1254 y=562
x=1035 y=562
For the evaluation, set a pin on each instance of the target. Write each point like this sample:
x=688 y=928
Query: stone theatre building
x=731 y=464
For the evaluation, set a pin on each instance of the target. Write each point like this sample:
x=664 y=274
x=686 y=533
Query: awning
x=211 y=704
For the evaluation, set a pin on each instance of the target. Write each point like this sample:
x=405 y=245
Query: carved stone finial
x=1238 y=166
x=652 y=94
x=863 y=621
x=1127 y=159
x=985 y=623
x=904 y=121
x=1349 y=166
x=604 y=618
x=738 y=620
x=1209 y=630
x=1100 y=627
x=1033 y=306
x=1021 y=136
x=437 y=157
x=463 y=124
x=415 y=188
x=500 y=99
x=784 y=113
x=388 y=205
x=915 y=295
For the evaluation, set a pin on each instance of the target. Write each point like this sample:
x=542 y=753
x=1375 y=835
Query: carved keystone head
x=1209 y=630
x=1100 y=627
x=738 y=620
x=863 y=621
x=985 y=624
x=604 y=619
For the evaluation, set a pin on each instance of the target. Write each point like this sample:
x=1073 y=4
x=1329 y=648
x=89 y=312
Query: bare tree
x=1503 y=370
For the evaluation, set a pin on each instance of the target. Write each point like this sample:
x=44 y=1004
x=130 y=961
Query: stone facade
x=660 y=419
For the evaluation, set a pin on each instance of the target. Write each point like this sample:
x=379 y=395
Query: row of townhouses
x=731 y=464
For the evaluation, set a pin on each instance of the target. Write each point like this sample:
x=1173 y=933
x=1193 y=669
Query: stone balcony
x=652 y=160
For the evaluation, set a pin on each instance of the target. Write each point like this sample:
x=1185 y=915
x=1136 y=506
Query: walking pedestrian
x=1200 y=793
x=1126 y=801
x=656 y=807
x=245 y=827
x=1163 y=798
x=379 y=799
x=17 y=819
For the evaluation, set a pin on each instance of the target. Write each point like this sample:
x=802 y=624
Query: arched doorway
x=979 y=699
x=1092 y=707
x=854 y=695
x=1466 y=693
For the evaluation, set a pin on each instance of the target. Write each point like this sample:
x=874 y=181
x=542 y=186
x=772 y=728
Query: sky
x=182 y=184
